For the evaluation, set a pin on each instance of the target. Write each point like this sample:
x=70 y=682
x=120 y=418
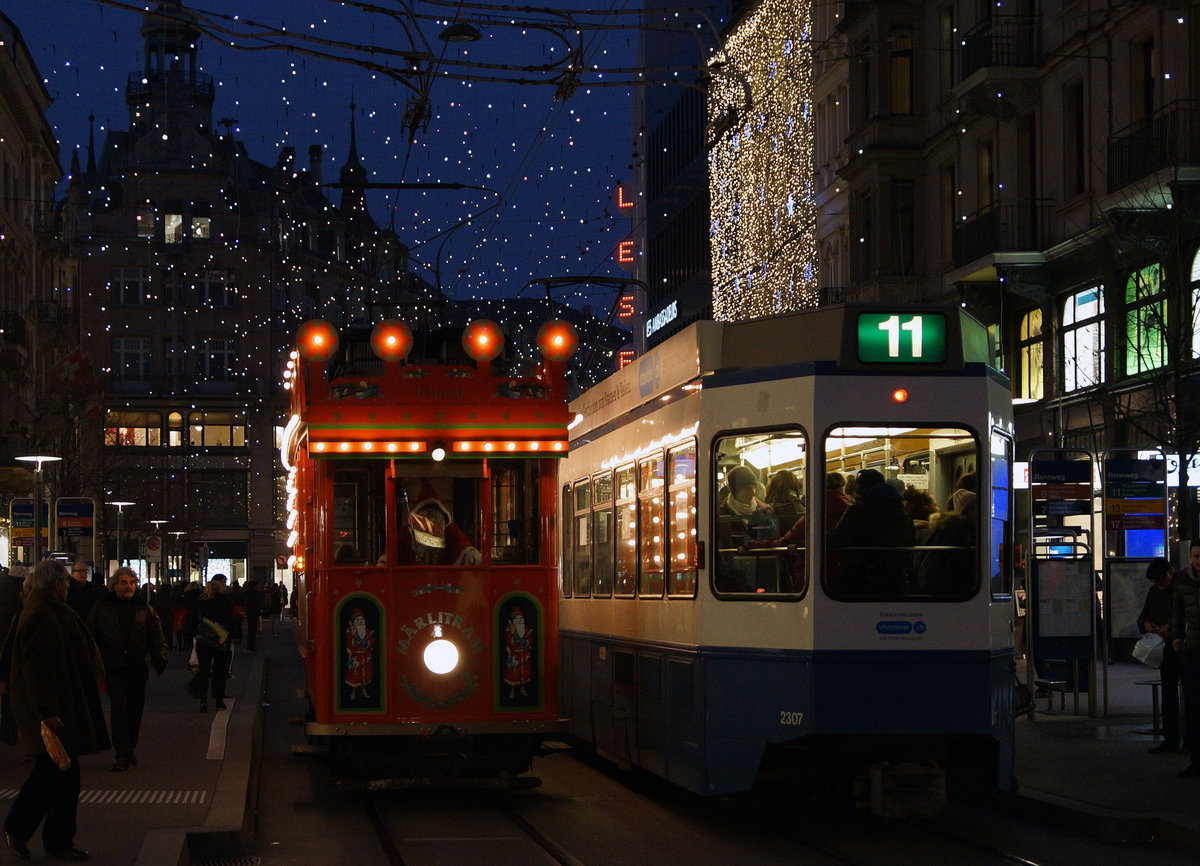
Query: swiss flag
x=72 y=370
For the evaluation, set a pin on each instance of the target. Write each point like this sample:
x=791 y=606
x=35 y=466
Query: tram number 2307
x=790 y=717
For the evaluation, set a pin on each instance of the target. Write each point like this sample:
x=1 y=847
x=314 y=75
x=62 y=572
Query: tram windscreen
x=901 y=514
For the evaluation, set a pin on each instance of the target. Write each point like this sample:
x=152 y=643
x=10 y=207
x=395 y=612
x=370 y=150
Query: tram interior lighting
x=508 y=446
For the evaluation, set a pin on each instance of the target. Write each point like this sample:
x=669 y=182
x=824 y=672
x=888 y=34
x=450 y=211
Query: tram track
x=404 y=842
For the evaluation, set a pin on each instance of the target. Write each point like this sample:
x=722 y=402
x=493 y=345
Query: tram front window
x=907 y=526
x=760 y=504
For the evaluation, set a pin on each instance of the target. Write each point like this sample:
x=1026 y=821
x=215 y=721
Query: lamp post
x=162 y=550
x=38 y=460
x=120 y=521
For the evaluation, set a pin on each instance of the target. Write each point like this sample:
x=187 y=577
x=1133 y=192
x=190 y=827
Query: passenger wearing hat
x=433 y=538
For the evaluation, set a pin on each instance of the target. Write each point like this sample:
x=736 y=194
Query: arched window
x=1145 y=320
x=1029 y=381
x=1083 y=339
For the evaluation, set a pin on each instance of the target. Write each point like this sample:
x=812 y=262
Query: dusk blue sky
x=555 y=164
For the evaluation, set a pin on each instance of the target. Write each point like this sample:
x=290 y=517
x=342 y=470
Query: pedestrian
x=254 y=609
x=10 y=600
x=127 y=631
x=1155 y=618
x=274 y=605
x=214 y=622
x=83 y=592
x=56 y=667
x=1185 y=639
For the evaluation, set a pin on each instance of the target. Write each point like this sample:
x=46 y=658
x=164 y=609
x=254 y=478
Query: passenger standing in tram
x=947 y=572
x=876 y=520
x=1155 y=618
x=1185 y=637
x=784 y=497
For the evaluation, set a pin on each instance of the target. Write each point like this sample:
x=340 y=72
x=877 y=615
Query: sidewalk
x=190 y=790
x=1095 y=773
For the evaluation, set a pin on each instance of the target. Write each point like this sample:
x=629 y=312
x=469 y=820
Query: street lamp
x=162 y=552
x=120 y=521
x=38 y=460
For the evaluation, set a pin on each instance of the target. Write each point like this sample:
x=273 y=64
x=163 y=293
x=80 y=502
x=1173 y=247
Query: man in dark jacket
x=83 y=592
x=55 y=669
x=127 y=630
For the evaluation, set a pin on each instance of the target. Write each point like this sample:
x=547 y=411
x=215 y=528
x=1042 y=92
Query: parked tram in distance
x=421 y=496
x=731 y=617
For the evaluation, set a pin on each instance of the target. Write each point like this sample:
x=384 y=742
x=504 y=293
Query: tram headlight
x=440 y=656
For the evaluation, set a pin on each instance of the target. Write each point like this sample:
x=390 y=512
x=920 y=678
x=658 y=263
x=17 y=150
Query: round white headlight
x=441 y=656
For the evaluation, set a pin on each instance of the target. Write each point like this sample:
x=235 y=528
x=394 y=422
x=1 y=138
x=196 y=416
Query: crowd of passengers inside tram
x=885 y=539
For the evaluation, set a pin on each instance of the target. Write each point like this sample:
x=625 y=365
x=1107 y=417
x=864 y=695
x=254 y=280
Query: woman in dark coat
x=55 y=670
x=214 y=604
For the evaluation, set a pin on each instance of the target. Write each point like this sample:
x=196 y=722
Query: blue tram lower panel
x=705 y=719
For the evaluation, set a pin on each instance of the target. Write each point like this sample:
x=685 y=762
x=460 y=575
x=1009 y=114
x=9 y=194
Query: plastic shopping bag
x=55 y=748
x=1149 y=650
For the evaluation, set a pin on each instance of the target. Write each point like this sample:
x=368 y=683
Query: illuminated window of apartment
x=133 y=428
x=1145 y=320
x=175 y=429
x=173 y=228
x=201 y=227
x=145 y=221
x=1029 y=382
x=1083 y=339
x=217 y=429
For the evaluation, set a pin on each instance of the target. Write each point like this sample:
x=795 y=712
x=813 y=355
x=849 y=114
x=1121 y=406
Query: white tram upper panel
x=655 y=542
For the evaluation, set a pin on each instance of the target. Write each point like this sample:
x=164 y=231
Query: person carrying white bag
x=1155 y=619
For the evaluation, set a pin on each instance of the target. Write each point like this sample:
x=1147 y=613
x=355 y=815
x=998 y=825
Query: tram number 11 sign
x=905 y=338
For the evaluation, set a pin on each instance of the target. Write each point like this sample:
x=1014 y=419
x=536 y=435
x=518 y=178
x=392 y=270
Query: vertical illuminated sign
x=625 y=307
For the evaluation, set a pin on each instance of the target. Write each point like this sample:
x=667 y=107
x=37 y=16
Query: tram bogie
x=712 y=635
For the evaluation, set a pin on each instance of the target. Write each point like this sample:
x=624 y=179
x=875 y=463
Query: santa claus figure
x=360 y=655
x=518 y=646
x=435 y=538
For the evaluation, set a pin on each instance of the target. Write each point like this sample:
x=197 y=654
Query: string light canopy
x=763 y=221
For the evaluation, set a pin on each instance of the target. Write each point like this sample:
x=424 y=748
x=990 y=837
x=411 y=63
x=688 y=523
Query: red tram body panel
x=421 y=502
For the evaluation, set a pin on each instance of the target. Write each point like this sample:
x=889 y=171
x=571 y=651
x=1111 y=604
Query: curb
x=230 y=819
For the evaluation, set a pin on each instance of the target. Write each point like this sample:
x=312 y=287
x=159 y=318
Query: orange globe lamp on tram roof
x=317 y=340
x=391 y=340
x=483 y=340
x=557 y=339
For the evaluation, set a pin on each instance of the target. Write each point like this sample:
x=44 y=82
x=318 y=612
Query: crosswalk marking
x=110 y=797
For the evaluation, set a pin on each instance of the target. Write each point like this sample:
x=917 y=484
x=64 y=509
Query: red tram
x=421 y=505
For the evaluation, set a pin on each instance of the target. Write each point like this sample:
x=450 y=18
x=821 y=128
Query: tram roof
x=833 y=334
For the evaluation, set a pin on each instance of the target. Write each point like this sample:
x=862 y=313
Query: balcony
x=1008 y=226
x=1008 y=41
x=1168 y=138
x=140 y=83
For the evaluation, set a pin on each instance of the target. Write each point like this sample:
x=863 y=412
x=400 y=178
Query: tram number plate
x=790 y=717
x=910 y=338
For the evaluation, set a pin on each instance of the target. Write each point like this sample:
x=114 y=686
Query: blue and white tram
x=716 y=631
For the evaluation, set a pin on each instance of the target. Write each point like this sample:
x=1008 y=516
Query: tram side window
x=602 y=573
x=625 y=580
x=681 y=513
x=359 y=525
x=886 y=544
x=584 y=538
x=760 y=544
x=1001 y=517
x=515 y=517
x=652 y=480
